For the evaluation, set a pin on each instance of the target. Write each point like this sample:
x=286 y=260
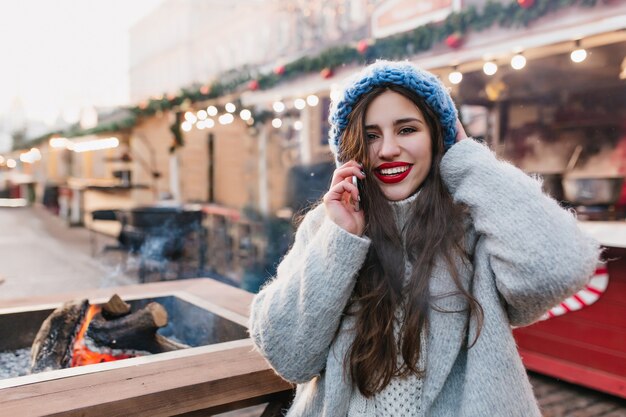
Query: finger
x=460 y=131
x=342 y=174
x=337 y=191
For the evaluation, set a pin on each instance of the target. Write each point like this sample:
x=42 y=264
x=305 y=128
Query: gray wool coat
x=528 y=256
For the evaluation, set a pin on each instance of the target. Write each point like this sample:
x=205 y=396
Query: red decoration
x=526 y=4
x=204 y=89
x=455 y=40
x=253 y=85
x=279 y=70
x=326 y=72
x=362 y=46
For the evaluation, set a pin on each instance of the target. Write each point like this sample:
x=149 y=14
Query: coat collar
x=446 y=331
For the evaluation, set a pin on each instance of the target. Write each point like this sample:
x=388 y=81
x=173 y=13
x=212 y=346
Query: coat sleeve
x=294 y=319
x=536 y=251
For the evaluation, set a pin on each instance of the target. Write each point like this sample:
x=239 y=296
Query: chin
x=398 y=195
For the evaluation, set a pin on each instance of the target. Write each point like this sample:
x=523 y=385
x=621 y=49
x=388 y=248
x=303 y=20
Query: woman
x=398 y=295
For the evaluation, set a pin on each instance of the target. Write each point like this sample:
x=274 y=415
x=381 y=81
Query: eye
x=371 y=136
x=407 y=130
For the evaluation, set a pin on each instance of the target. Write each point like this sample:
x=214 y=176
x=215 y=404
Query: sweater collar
x=402 y=208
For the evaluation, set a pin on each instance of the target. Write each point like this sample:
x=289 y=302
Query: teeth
x=393 y=171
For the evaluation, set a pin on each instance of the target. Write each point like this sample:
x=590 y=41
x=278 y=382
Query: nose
x=390 y=148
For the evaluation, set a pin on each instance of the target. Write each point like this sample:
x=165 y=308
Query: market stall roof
x=550 y=35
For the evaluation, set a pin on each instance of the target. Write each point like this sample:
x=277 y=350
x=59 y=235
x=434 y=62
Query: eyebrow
x=397 y=122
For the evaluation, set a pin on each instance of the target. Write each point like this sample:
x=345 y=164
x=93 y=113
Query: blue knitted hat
x=402 y=73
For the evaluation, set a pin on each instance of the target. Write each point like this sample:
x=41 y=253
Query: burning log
x=136 y=331
x=53 y=345
x=115 y=307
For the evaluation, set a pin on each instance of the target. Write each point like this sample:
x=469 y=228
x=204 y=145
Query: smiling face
x=399 y=145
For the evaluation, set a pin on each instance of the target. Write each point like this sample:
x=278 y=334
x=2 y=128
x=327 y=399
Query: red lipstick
x=393 y=178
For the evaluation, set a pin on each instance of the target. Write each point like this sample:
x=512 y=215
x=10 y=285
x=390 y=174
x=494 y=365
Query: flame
x=81 y=354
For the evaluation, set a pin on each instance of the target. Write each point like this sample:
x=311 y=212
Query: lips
x=392 y=172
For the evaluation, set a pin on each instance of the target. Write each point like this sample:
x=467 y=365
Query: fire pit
x=218 y=373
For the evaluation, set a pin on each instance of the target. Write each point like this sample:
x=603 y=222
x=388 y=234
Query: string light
x=58 y=143
x=211 y=111
x=1 y=159
x=245 y=114
x=11 y=163
x=226 y=118
x=579 y=54
x=209 y=123
x=312 y=100
x=277 y=123
x=186 y=126
x=455 y=76
x=230 y=107
x=201 y=125
x=190 y=117
x=299 y=103
x=95 y=145
x=202 y=114
x=297 y=125
x=278 y=106
x=490 y=68
x=518 y=61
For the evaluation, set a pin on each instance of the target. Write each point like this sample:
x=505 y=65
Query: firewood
x=53 y=345
x=135 y=331
x=115 y=307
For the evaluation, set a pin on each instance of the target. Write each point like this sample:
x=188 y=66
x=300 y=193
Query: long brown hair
x=435 y=229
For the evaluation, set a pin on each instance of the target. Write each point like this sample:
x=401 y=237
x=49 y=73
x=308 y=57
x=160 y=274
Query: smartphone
x=357 y=183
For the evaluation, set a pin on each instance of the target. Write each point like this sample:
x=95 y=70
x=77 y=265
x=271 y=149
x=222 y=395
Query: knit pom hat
x=402 y=73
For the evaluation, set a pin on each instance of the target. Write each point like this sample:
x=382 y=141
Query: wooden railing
x=192 y=382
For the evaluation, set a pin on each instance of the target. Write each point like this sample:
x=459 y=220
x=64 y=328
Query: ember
x=78 y=334
x=81 y=354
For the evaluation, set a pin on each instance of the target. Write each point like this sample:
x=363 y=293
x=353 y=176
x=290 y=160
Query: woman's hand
x=460 y=131
x=341 y=200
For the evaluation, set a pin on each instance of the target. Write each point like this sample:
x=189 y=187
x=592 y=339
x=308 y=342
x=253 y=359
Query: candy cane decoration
x=585 y=297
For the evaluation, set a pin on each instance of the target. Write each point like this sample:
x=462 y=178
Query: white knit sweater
x=402 y=397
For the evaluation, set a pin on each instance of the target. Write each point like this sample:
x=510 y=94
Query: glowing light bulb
x=202 y=114
x=278 y=106
x=211 y=111
x=299 y=103
x=297 y=125
x=455 y=77
x=226 y=119
x=245 y=114
x=230 y=107
x=277 y=123
x=518 y=62
x=190 y=117
x=186 y=126
x=312 y=100
x=578 y=55
x=490 y=68
x=209 y=123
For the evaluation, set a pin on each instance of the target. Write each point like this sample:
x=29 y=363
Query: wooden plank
x=155 y=389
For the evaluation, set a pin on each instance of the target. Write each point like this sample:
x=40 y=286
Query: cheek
x=423 y=150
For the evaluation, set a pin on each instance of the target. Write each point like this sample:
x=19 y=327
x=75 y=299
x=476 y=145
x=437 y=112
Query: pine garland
x=398 y=46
